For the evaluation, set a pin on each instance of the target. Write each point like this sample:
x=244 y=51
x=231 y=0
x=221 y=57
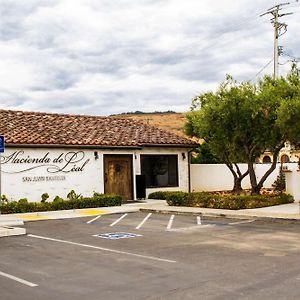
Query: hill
x=173 y=122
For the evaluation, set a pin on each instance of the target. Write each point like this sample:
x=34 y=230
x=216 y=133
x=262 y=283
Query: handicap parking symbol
x=117 y=235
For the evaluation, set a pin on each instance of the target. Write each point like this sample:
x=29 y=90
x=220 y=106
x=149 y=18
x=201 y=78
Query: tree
x=242 y=120
x=203 y=155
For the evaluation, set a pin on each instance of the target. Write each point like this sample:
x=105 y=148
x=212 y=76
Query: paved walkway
x=281 y=212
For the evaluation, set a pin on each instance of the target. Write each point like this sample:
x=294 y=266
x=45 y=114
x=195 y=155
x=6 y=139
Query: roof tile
x=37 y=128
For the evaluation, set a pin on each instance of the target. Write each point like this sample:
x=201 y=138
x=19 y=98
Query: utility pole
x=279 y=30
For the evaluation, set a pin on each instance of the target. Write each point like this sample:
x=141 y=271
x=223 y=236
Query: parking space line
x=102 y=249
x=117 y=221
x=199 y=220
x=91 y=221
x=170 y=222
x=192 y=228
x=20 y=280
x=142 y=223
x=241 y=222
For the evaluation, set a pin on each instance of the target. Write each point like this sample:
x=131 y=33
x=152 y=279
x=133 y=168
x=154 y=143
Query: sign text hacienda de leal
x=19 y=162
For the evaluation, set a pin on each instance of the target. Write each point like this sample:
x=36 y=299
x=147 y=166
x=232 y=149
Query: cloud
x=104 y=57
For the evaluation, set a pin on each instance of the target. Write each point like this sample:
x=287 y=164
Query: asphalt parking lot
x=151 y=256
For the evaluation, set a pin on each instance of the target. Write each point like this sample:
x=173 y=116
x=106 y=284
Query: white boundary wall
x=30 y=172
x=217 y=177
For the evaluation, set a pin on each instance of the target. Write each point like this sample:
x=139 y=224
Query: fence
x=217 y=177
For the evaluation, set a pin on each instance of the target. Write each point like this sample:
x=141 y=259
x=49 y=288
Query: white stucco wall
x=292 y=179
x=217 y=177
x=57 y=171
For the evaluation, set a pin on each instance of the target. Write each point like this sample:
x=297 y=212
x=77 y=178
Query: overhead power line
x=280 y=29
x=265 y=66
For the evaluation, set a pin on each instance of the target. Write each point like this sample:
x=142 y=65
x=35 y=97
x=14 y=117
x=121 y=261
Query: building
x=57 y=153
x=289 y=153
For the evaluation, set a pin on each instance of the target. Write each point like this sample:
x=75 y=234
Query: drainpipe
x=189 y=168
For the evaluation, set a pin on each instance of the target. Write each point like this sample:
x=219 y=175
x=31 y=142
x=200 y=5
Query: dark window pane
x=160 y=170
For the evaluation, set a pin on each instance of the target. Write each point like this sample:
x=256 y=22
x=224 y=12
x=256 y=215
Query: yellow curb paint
x=92 y=212
x=32 y=218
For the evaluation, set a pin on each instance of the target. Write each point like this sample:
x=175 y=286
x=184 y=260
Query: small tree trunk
x=253 y=180
x=237 y=188
x=256 y=187
x=237 y=177
x=271 y=169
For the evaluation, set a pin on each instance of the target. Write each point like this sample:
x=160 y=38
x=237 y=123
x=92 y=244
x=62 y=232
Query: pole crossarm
x=279 y=30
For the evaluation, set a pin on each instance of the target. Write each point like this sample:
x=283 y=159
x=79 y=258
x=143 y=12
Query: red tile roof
x=35 y=128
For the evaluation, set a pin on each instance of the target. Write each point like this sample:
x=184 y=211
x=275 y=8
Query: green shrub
x=177 y=198
x=234 y=202
x=279 y=184
x=159 y=195
x=23 y=201
x=44 y=197
x=57 y=199
x=4 y=199
x=98 y=200
x=73 y=196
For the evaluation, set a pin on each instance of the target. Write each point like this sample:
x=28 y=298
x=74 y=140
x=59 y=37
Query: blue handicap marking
x=117 y=235
x=2 y=143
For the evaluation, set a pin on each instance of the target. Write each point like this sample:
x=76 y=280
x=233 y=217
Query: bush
x=4 y=199
x=234 y=202
x=279 y=184
x=57 y=199
x=98 y=200
x=23 y=201
x=44 y=197
x=159 y=195
x=73 y=196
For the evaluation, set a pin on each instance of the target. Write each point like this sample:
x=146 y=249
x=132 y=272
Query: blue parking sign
x=2 y=143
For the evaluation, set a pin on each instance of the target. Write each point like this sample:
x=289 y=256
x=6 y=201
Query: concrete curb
x=291 y=218
x=11 y=231
x=11 y=223
x=19 y=218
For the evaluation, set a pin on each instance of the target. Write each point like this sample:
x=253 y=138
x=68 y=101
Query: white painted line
x=193 y=227
x=91 y=221
x=241 y=222
x=199 y=220
x=142 y=223
x=115 y=222
x=170 y=222
x=102 y=249
x=25 y=282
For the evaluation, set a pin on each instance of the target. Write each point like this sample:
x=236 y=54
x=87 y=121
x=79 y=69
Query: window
x=284 y=159
x=160 y=170
x=267 y=159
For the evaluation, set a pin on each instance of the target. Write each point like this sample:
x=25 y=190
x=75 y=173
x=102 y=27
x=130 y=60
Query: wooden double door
x=118 y=175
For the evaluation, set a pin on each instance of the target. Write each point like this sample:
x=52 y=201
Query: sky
x=102 y=57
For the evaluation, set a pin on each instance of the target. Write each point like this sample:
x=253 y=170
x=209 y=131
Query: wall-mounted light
x=96 y=155
x=183 y=156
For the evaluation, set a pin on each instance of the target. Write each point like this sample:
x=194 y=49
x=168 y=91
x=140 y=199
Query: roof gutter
x=172 y=145
x=70 y=146
x=100 y=146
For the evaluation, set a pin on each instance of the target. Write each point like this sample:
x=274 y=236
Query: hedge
x=98 y=200
x=213 y=200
